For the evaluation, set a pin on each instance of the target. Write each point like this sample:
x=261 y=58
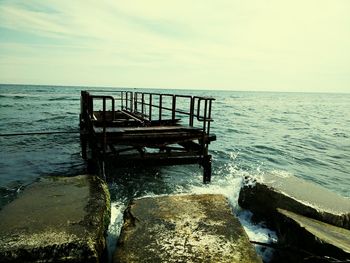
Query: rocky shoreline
x=65 y=219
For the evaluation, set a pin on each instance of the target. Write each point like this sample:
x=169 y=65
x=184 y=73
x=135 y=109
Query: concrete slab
x=313 y=235
x=183 y=228
x=288 y=192
x=57 y=219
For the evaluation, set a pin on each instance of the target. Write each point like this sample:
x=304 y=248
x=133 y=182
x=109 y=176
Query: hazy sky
x=277 y=45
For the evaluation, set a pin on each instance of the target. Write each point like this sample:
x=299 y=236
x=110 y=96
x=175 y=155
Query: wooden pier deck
x=140 y=128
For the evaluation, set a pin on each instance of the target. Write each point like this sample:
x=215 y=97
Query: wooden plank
x=158 y=139
x=147 y=129
x=132 y=116
x=152 y=138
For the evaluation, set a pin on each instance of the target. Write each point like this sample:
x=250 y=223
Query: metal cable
x=37 y=133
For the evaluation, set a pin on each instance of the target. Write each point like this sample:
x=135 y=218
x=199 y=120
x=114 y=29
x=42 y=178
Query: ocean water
x=302 y=134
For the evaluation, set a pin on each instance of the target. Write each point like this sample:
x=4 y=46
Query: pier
x=140 y=128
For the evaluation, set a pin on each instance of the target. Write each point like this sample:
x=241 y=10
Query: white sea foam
x=114 y=228
x=229 y=186
x=258 y=233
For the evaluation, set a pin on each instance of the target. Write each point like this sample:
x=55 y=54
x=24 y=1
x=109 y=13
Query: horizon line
x=164 y=88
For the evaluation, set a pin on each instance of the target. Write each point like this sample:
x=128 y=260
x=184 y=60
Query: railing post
x=83 y=106
x=126 y=100
x=91 y=106
x=173 y=109
x=209 y=116
x=205 y=115
x=82 y=103
x=122 y=99
x=150 y=107
x=104 y=127
x=135 y=101
x=83 y=124
x=160 y=107
x=131 y=101
x=102 y=162
x=192 y=111
x=113 y=109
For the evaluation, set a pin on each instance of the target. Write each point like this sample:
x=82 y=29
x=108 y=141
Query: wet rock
x=322 y=240
x=273 y=191
x=191 y=228
x=57 y=219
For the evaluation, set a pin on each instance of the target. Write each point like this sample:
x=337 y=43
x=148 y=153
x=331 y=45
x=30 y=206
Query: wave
x=14 y=96
x=278 y=120
x=234 y=130
x=340 y=135
x=311 y=161
x=56 y=117
x=267 y=150
x=61 y=98
x=9 y=105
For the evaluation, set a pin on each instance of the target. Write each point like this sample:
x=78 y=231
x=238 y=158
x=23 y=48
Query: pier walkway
x=141 y=128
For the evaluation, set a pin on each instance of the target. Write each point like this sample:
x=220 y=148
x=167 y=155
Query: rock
x=191 y=228
x=274 y=191
x=322 y=239
x=57 y=219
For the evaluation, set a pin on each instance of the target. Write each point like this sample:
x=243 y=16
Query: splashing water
x=114 y=228
x=229 y=186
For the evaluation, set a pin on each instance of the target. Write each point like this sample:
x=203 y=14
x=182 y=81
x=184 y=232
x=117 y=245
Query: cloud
x=20 y=19
x=222 y=44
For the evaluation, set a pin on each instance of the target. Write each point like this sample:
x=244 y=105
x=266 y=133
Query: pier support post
x=206 y=169
x=83 y=143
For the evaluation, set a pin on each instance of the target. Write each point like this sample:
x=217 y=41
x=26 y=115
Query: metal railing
x=153 y=107
x=174 y=105
x=147 y=109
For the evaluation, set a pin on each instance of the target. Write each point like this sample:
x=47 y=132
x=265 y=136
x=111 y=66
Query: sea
x=306 y=135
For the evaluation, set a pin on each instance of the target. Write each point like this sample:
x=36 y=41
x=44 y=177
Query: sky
x=259 y=45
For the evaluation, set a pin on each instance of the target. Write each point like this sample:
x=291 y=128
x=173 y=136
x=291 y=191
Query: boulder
x=273 y=191
x=183 y=228
x=57 y=219
x=322 y=240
